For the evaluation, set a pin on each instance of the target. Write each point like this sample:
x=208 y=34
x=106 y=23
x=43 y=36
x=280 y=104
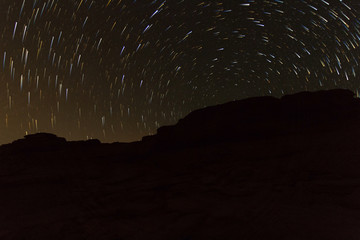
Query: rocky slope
x=259 y=168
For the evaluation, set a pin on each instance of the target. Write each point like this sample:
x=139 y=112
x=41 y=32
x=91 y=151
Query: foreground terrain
x=259 y=168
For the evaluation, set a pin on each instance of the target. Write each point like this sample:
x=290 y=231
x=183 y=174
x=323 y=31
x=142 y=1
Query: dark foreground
x=260 y=168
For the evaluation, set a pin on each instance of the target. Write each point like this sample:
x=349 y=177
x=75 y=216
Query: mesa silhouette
x=258 y=168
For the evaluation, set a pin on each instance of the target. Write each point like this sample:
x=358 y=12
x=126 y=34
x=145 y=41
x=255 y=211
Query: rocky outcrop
x=260 y=117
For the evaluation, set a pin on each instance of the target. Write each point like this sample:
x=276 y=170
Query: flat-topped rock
x=261 y=117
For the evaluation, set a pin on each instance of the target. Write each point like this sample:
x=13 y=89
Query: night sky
x=117 y=70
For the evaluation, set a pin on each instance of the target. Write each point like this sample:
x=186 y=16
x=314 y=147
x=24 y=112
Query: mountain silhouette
x=258 y=168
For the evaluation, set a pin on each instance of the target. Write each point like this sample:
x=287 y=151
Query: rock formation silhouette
x=258 y=168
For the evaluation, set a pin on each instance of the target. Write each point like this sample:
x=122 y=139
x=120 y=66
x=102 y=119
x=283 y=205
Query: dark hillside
x=259 y=168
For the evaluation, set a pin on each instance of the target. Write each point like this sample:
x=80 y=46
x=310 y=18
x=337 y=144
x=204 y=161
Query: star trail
x=117 y=70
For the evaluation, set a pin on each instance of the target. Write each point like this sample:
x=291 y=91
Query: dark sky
x=117 y=70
